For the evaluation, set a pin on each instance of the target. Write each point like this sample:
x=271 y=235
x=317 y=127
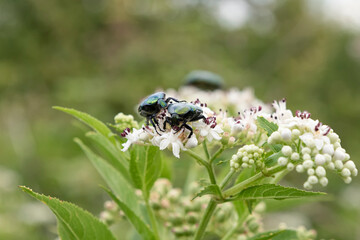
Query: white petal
x=126 y=146
x=319 y=143
x=164 y=144
x=192 y=142
x=176 y=150
x=204 y=132
x=215 y=135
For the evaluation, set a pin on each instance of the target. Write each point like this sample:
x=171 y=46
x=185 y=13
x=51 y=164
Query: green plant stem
x=240 y=186
x=203 y=162
x=227 y=179
x=205 y=220
x=206 y=150
x=217 y=154
x=152 y=219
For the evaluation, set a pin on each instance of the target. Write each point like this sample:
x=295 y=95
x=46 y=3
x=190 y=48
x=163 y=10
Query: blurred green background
x=102 y=56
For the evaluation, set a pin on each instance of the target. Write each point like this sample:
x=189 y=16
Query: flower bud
x=295 y=156
x=339 y=164
x=347 y=180
x=307 y=185
x=313 y=180
x=282 y=161
x=286 y=134
x=320 y=171
x=345 y=172
x=339 y=154
x=295 y=133
x=324 y=181
x=328 y=149
x=192 y=142
x=290 y=166
x=310 y=171
x=319 y=159
x=306 y=150
x=286 y=150
x=300 y=168
x=308 y=164
x=350 y=165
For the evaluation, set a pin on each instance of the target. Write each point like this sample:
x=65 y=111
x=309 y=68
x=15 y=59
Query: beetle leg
x=153 y=124
x=184 y=125
x=157 y=123
x=167 y=120
x=198 y=118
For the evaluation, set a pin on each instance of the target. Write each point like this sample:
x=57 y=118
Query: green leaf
x=269 y=127
x=212 y=189
x=153 y=166
x=89 y=120
x=134 y=170
x=114 y=156
x=250 y=205
x=241 y=210
x=276 y=235
x=73 y=222
x=118 y=184
x=272 y=191
x=141 y=227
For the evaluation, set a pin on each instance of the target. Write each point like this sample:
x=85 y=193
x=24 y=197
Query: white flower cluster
x=309 y=146
x=246 y=157
x=176 y=139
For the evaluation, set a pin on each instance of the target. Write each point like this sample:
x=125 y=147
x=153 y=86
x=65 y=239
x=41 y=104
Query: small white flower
x=172 y=139
x=133 y=137
x=280 y=110
x=208 y=131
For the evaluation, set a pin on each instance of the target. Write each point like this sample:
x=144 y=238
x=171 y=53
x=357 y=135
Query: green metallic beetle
x=181 y=113
x=204 y=80
x=152 y=105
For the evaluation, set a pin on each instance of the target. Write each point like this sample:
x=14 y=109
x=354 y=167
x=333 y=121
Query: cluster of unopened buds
x=247 y=157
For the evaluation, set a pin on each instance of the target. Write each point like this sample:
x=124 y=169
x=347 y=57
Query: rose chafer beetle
x=152 y=105
x=181 y=113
